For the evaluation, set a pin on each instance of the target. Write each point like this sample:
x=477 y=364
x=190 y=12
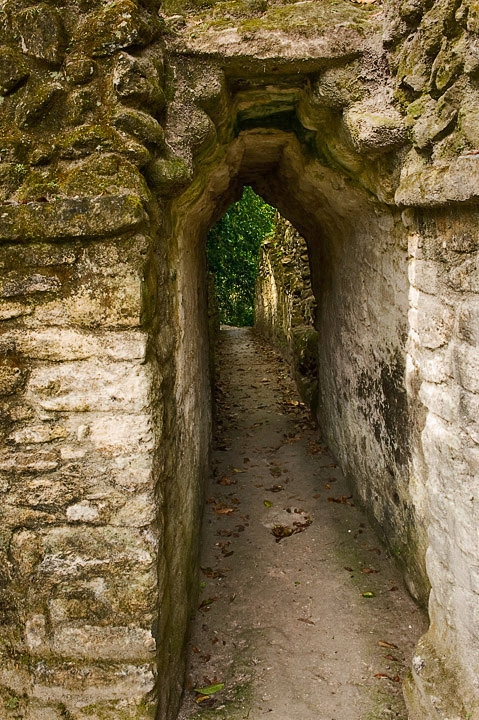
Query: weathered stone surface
x=13 y=70
x=80 y=69
x=375 y=128
x=89 y=385
x=41 y=32
x=285 y=306
x=141 y=125
x=114 y=26
x=37 y=100
x=426 y=185
x=109 y=643
x=56 y=344
x=15 y=286
x=70 y=218
x=137 y=82
x=104 y=173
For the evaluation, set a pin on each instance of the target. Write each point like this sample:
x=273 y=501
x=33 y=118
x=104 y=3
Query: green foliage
x=232 y=250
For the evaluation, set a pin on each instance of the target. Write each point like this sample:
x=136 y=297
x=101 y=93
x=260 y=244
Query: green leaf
x=232 y=252
x=210 y=689
x=368 y=595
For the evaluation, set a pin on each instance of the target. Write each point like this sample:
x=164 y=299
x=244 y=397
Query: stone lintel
x=71 y=218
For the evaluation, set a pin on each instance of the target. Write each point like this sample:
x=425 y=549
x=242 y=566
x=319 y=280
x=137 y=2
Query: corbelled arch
x=359 y=262
x=125 y=135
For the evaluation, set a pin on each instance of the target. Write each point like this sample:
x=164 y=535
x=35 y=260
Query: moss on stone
x=309 y=18
x=99 y=174
x=304 y=19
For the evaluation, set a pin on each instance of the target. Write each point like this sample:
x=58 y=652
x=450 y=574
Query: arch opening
x=358 y=260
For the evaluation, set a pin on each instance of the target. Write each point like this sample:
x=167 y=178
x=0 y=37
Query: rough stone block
x=12 y=310
x=468 y=322
x=63 y=344
x=40 y=711
x=36 y=634
x=122 y=433
x=71 y=218
x=431 y=319
x=41 y=461
x=11 y=377
x=465 y=363
x=26 y=551
x=17 y=284
x=74 y=551
x=39 y=98
x=441 y=399
x=435 y=365
x=37 y=434
x=105 y=643
x=107 y=683
x=141 y=125
x=374 y=128
x=136 y=81
x=87 y=385
x=424 y=185
x=83 y=511
x=80 y=69
x=37 y=255
x=13 y=70
x=425 y=275
x=116 y=303
x=138 y=511
x=41 y=32
x=114 y=26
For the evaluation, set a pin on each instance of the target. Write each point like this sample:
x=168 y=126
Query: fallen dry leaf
x=221 y=509
x=394 y=678
x=225 y=480
x=342 y=500
x=385 y=644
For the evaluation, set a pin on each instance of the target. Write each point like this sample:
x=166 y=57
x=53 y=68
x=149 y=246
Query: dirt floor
x=302 y=614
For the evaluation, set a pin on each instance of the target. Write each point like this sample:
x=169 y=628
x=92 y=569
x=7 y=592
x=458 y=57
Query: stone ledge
x=440 y=184
x=69 y=218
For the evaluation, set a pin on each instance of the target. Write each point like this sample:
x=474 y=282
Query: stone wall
x=285 y=306
x=125 y=134
x=96 y=574
x=353 y=363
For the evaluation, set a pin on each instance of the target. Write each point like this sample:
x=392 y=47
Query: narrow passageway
x=302 y=615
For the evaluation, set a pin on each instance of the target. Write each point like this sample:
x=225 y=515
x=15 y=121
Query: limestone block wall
x=79 y=530
x=285 y=305
x=95 y=577
x=358 y=358
x=443 y=374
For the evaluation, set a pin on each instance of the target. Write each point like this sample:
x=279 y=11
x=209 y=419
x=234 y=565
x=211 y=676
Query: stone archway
x=126 y=134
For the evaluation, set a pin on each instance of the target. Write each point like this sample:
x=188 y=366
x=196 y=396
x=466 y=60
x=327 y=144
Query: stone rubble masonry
x=126 y=129
x=285 y=307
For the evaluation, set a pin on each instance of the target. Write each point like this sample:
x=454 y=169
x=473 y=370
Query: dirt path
x=317 y=625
